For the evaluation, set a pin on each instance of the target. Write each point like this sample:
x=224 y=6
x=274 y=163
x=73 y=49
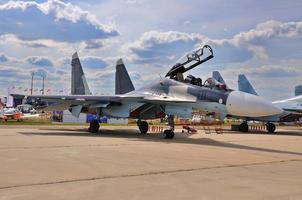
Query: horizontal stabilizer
x=245 y=86
x=123 y=83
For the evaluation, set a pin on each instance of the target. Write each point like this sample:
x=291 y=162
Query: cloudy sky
x=262 y=39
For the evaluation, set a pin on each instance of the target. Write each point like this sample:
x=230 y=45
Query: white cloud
x=268 y=30
x=54 y=20
x=40 y=61
x=157 y=46
x=133 y=1
x=260 y=39
x=153 y=38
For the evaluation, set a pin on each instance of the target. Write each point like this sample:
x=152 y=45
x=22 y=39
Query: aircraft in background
x=9 y=111
x=292 y=107
x=170 y=96
x=19 y=113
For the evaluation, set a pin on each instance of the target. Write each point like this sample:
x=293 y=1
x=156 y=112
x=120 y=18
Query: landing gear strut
x=143 y=126
x=169 y=133
x=94 y=126
x=270 y=127
x=244 y=127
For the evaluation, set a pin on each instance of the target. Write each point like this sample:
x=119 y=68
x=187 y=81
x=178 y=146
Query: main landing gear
x=270 y=127
x=143 y=126
x=169 y=133
x=94 y=126
x=244 y=127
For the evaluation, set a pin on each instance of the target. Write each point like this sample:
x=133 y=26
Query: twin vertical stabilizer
x=123 y=83
x=79 y=85
x=298 y=90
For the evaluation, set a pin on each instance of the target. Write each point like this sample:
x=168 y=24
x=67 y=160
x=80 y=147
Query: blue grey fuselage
x=206 y=98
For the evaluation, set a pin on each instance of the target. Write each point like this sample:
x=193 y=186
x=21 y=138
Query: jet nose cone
x=248 y=105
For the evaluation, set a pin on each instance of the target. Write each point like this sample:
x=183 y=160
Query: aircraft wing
x=293 y=105
x=297 y=99
x=164 y=99
x=76 y=98
x=75 y=103
x=100 y=101
x=85 y=100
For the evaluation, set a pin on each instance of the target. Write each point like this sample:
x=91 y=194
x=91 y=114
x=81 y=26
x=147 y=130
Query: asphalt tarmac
x=65 y=162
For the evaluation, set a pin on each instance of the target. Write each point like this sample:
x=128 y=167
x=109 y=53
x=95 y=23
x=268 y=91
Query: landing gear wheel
x=168 y=134
x=143 y=127
x=244 y=127
x=270 y=127
x=94 y=126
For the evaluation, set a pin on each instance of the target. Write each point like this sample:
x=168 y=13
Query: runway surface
x=65 y=162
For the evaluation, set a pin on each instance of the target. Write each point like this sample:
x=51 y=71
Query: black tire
x=143 y=127
x=270 y=127
x=168 y=134
x=244 y=127
x=94 y=126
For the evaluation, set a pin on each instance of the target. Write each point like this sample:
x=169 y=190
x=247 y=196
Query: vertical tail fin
x=298 y=90
x=79 y=84
x=123 y=83
x=245 y=86
x=217 y=76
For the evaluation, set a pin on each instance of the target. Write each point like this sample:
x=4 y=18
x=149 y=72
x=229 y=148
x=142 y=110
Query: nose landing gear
x=244 y=127
x=169 y=133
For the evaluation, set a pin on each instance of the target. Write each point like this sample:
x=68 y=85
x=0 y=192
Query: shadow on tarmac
x=293 y=132
x=134 y=135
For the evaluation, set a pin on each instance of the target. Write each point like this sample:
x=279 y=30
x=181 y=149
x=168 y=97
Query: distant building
x=298 y=90
x=17 y=101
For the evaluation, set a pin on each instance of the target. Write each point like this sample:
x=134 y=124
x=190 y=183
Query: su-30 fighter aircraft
x=171 y=96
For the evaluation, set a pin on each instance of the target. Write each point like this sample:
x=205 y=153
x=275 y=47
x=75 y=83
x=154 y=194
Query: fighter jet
x=291 y=108
x=172 y=95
